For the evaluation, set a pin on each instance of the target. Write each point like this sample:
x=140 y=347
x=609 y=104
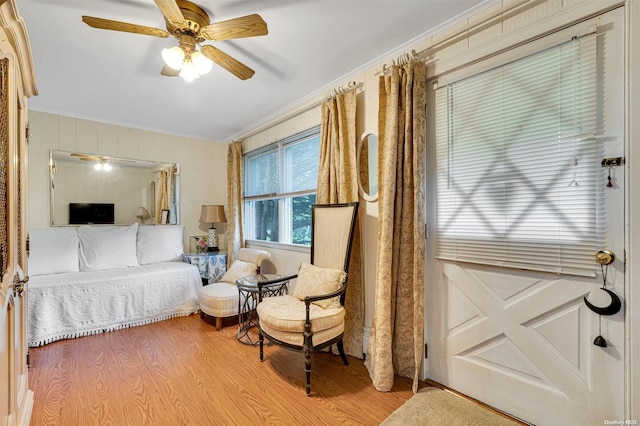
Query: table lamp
x=212 y=214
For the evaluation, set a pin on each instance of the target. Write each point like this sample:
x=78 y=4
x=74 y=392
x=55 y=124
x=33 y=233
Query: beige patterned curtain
x=234 y=200
x=338 y=183
x=397 y=335
x=163 y=194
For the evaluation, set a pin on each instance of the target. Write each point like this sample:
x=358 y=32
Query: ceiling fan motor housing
x=194 y=19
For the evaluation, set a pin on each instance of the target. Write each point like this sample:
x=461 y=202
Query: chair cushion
x=313 y=281
x=287 y=313
x=297 y=339
x=219 y=299
x=238 y=270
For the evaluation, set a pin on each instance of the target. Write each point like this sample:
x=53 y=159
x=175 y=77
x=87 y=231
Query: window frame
x=284 y=199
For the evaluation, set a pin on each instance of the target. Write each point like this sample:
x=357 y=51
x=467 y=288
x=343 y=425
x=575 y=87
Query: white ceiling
x=312 y=46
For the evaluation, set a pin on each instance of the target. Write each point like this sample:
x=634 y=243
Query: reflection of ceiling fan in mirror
x=190 y=24
x=102 y=162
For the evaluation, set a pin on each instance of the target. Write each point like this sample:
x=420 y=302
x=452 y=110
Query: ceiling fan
x=102 y=162
x=190 y=24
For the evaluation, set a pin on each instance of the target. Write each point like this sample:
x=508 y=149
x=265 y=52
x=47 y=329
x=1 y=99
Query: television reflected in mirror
x=97 y=189
x=91 y=214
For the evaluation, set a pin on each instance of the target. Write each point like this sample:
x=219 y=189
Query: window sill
x=280 y=246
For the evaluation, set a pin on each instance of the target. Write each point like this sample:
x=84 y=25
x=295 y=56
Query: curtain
x=338 y=183
x=164 y=193
x=397 y=334
x=234 y=200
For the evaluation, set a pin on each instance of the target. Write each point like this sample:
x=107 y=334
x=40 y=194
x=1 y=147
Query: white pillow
x=159 y=243
x=315 y=281
x=53 y=251
x=238 y=270
x=107 y=247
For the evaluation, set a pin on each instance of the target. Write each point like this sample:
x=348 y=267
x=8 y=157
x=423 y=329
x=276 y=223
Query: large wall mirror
x=95 y=189
x=368 y=167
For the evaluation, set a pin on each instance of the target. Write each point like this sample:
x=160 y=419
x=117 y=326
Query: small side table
x=251 y=290
x=212 y=265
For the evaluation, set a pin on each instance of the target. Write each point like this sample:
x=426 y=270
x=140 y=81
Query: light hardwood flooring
x=184 y=372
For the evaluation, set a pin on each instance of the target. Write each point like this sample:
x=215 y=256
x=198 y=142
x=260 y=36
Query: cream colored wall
x=203 y=164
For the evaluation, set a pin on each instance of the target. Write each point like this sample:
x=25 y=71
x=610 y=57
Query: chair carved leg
x=342 y=354
x=307 y=369
x=307 y=348
x=218 y=323
x=261 y=340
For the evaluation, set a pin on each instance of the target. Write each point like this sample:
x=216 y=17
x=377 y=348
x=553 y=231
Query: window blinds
x=285 y=168
x=517 y=163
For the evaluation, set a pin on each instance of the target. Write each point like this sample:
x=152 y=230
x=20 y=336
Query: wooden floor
x=183 y=372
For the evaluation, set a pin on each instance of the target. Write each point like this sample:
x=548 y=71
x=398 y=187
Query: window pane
x=280 y=184
x=300 y=164
x=265 y=219
x=302 y=219
x=261 y=173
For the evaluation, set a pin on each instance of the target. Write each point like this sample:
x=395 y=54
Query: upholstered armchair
x=221 y=299
x=313 y=317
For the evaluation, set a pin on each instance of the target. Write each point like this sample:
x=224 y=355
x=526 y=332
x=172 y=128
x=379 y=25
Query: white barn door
x=522 y=341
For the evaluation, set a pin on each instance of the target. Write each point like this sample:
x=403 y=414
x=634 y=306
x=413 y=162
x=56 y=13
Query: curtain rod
x=298 y=112
x=402 y=59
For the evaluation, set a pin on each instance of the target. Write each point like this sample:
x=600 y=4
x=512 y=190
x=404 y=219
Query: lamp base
x=213 y=240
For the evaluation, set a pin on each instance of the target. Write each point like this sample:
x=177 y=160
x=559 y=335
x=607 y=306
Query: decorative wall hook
x=609 y=163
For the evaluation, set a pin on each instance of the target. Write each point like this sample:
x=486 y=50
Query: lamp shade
x=173 y=57
x=212 y=214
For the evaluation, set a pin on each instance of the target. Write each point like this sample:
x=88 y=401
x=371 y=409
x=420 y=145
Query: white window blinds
x=284 y=168
x=517 y=163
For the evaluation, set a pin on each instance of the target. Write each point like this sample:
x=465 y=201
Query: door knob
x=605 y=257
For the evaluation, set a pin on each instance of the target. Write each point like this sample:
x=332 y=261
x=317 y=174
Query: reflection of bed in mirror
x=127 y=184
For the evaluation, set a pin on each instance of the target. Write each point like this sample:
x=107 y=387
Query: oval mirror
x=368 y=167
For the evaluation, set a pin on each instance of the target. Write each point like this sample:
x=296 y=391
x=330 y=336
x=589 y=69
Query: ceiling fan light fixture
x=174 y=57
x=188 y=71
x=201 y=63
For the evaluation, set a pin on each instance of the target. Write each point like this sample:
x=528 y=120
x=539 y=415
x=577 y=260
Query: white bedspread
x=63 y=306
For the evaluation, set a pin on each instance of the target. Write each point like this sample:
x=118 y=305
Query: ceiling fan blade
x=232 y=65
x=169 y=72
x=171 y=11
x=107 y=24
x=84 y=157
x=245 y=26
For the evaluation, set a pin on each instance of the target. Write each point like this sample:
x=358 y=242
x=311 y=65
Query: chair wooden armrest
x=339 y=292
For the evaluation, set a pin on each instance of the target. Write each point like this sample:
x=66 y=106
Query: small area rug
x=433 y=406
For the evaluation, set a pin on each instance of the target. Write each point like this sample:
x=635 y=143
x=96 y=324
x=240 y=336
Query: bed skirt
x=65 y=306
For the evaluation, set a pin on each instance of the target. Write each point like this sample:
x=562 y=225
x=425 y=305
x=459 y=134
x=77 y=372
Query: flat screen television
x=91 y=213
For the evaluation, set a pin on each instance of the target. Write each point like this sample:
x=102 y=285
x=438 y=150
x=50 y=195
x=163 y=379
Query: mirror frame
x=363 y=193
x=151 y=164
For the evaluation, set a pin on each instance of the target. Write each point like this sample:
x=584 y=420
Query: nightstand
x=212 y=265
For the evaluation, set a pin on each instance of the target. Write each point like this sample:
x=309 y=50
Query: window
x=280 y=183
x=517 y=163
